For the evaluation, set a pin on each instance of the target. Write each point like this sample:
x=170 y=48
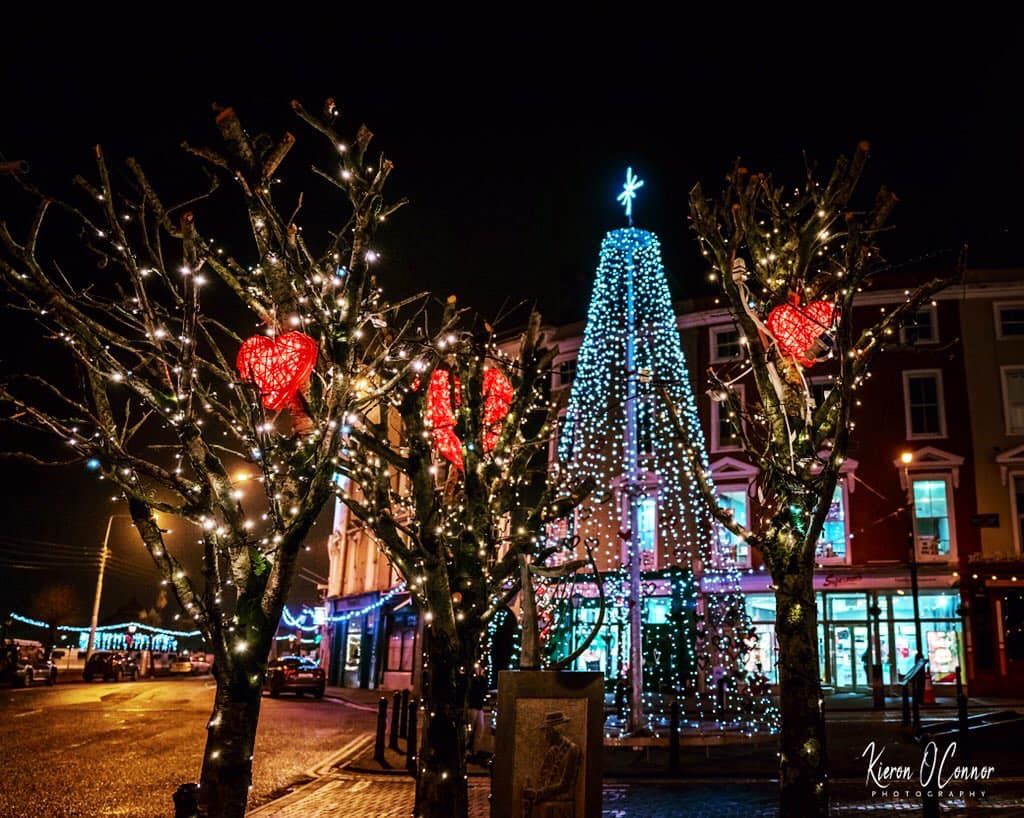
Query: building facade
x=933 y=487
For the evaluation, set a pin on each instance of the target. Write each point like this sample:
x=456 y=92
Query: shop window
x=925 y=413
x=933 y=532
x=921 y=327
x=847 y=606
x=942 y=639
x=1018 y=508
x=400 y=649
x=725 y=344
x=760 y=607
x=1013 y=399
x=724 y=422
x=730 y=548
x=657 y=610
x=832 y=542
x=1010 y=320
x=1013 y=626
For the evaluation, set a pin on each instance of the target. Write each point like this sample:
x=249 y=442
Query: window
x=1013 y=399
x=1017 y=496
x=832 y=543
x=730 y=548
x=933 y=530
x=647 y=519
x=725 y=344
x=922 y=394
x=400 y=649
x=921 y=327
x=723 y=425
x=566 y=373
x=1010 y=320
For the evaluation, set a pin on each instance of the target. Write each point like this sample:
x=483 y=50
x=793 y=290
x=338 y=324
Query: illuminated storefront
x=855 y=627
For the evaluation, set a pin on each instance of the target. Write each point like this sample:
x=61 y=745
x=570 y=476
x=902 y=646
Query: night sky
x=512 y=147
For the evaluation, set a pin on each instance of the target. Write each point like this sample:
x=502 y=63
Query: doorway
x=850 y=656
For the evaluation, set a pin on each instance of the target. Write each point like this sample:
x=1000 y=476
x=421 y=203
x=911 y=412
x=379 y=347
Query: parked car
x=295 y=674
x=111 y=666
x=190 y=664
x=23 y=663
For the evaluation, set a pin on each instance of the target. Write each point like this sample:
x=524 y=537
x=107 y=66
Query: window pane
x=1015 y=401
x=726 y=342
x=938 y=606
x=408 y=642
x=920 y=326
x=832 y=543
x=847 y=606
x=1011 y=321
x=395 y=650
x=923 y=395
x=731 y=548
x=726 y=429
x=761 y=607
x=932 y=516
x=648 y=519
x=566 y=372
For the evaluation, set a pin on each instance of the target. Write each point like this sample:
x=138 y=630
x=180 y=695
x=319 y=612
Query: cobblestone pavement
x=375 y=796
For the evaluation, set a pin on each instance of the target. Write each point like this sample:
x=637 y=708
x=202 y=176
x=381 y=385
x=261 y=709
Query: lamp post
x=104 y=553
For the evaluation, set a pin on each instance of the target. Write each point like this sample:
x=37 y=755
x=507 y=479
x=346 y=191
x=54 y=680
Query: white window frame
x=934 y=319
x=716 y=409
x=1003 y=370
x=911 y=373
x=844 y=487
x=713 y=333
x=997 y=306
x=736 y=488
x=946 y=478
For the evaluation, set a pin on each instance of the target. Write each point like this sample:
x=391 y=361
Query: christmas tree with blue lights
x=646 y=519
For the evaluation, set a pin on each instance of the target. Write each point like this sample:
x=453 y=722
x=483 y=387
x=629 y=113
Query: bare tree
x=147 y=304
x=771 y=245
x=462 y=532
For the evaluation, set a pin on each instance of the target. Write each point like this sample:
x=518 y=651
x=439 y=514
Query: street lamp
x=104 y=553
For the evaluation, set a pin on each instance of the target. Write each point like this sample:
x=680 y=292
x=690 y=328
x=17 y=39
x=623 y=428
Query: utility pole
x=633 y=490
x=90 y=646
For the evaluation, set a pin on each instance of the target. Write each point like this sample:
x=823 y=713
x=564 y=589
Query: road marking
x=26 y=713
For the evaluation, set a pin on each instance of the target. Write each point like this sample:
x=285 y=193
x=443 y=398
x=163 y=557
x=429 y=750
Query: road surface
x=121 y=749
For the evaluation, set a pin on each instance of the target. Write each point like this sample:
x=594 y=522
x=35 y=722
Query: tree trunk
x=802 y=760
x=227 y=761
x=441 y=790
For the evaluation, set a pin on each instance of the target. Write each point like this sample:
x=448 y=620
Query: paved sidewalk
x=377 y=796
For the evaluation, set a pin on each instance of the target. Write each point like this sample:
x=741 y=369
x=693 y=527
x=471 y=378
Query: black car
x=111 y=666
x=295 y=674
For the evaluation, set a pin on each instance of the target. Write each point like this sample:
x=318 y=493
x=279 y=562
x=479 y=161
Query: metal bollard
x=905 y=694
x=673 y=738
x=403 y=725
x=396 y=707
x=916 y=711
x=410 y=758
x=382 y=718
x=930 y=804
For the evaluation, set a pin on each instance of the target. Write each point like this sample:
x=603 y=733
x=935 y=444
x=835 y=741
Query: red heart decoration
x=797 y=330
x=278 y=366
x=441 y=415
